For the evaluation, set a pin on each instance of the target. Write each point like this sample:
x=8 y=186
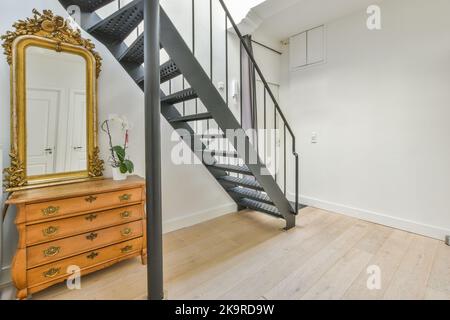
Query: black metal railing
x=277 y=110
x=281 y=127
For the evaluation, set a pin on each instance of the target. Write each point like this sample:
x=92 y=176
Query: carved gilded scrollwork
x=15 y=173
x=96 y=164
x=50 y=26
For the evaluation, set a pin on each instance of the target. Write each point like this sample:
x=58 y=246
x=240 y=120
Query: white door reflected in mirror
x=55 y=112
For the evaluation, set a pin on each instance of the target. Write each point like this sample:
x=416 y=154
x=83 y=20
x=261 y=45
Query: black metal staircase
x=246 y=182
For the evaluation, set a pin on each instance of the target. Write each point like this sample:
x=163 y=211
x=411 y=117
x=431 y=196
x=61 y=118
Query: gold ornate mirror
x=53 y=103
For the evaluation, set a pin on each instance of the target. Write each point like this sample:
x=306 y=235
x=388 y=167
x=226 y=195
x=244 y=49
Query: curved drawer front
x=57 y=270
x=58 y=208
x=43 y=232
x=58 y=249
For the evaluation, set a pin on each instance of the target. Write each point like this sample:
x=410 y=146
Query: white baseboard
x=376 y=217
x=198 y=217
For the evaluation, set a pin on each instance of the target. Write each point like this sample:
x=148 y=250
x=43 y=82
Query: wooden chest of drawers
x=90 y=225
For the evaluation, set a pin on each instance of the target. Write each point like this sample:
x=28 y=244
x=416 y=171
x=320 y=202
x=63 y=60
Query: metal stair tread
x=168 y=71
x=251 y=194
x=193 y=117
x=180 y=96
x=120 y=24
x=220 y=153
x=244 y=182
x=260 y=206
x=135 y=52
x=232 y=168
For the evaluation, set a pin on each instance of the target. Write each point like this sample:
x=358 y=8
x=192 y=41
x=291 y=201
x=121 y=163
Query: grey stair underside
x=243 y=182
x=168 y=71
x=87 y=5
x=250 y=194
x=259 y=206
x=135 y=52
x=221 y=153
x=120 y=24
x=194 y=117
x=181 y=96
x=232 y=168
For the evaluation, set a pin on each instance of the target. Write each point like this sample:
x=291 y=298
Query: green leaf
x=120 y=151
x=123 y=168
x=129 y=165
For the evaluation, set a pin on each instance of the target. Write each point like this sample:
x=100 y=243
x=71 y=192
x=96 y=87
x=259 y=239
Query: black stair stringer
x=193 y=72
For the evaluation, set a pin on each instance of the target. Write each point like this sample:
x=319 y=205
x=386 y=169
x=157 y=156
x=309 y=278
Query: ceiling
x=284 y=18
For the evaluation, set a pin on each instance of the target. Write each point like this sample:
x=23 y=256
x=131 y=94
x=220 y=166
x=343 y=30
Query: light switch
x=314 y=137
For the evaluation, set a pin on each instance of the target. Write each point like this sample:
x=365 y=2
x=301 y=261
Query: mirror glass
x=56 y=112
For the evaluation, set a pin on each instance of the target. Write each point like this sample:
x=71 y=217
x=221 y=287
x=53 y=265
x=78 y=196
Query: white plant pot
x=117 y=175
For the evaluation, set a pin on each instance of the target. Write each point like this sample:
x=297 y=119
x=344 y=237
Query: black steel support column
x=153 y=150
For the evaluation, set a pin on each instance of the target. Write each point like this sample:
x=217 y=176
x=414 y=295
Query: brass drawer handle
x=49 y=211
x=126 y=249
x=50 y=231
x=53 y=272
x=91 y=217
x=125 y=197
x=92 y=236
x=52 y=251
x=92 y=255
x=90 y=199
x=125 y=214
x=126 y=231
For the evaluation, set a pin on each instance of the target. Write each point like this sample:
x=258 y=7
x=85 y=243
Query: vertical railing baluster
x=210 y=48
x=276 y=142
x=193 y=52
x=284 y=178
x=184 y=102
x=240 y=80
x=255 y=108
x=265 y=128
x=226 y=59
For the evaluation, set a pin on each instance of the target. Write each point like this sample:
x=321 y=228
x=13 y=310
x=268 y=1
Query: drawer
x=57 y=208
x=58 y=269
x=42 y=232
x=55 y=250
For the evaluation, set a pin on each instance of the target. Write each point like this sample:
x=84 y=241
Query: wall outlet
x=314 y=138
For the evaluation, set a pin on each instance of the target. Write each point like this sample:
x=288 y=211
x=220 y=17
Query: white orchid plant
x=118 y=157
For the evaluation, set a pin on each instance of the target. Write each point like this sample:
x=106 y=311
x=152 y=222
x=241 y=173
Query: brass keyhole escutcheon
x=90 y=199
x=125 y=197
x=125 y=214
x=92 y=236
x=52 y=251
x=50 y=231
x=126 y=249
x=126 y=231
x=53 y=272
x=92 y=255
x=50 y=211
x=91 y=217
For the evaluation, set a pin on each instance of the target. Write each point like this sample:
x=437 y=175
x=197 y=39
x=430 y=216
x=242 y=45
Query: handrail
x=272 y=96
x=261 y=76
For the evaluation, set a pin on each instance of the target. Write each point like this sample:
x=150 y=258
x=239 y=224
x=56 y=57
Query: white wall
x=380 y=106
x=190 y=194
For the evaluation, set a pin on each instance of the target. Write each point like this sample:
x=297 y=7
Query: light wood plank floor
x=247 y=256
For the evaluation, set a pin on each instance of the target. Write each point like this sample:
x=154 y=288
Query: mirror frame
x=48 y=31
